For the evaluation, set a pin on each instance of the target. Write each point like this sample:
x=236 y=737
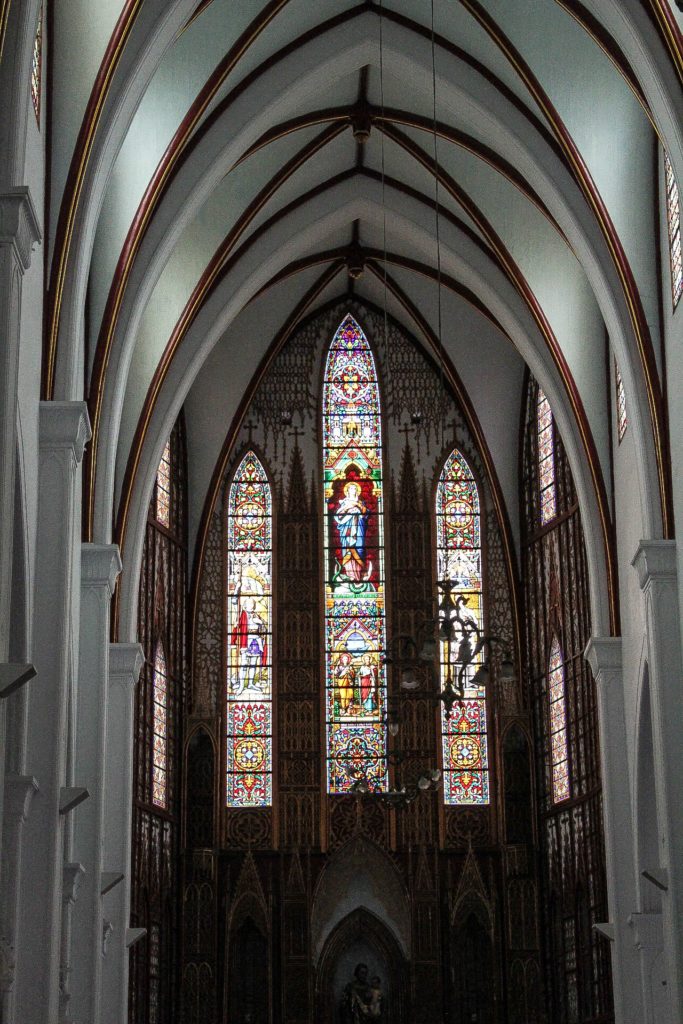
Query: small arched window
x=249 y=705
x=160 y=729
x=162 y=498
x=458 y=561
x=37 y=65
x=673 y=220
x=545 y=429
x=557 y=700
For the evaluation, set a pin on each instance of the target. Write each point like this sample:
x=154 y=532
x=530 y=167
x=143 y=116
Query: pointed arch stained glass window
x=160 y=729
x=355 y=677
x=546 y=458
x=249 y=726
x=163 y=492
x=37 y=65
x=673 y=218
x=458 y=560
x=557 y=699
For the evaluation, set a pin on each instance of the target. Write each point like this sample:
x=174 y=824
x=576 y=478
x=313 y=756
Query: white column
x=647 y=935
x=19 y=232
x=655 y=562
x=19 y=792
x=100 y=566
x=125 y=663
x=604 y=657
x=63 y=432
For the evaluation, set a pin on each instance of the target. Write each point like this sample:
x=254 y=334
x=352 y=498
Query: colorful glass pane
x=249 y=726
x=673 y=217
x=354 y=564
x=159 y=729
x=163 y=495
x=558 y=724
x=546 y=458
x=37 y=65
x=622 y=422
x=458 y=560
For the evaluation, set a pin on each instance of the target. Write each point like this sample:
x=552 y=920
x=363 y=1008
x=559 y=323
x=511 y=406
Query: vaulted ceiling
x=219 y=167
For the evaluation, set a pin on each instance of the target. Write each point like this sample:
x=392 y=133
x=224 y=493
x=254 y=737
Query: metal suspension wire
x=384 y=204
x=438 y=234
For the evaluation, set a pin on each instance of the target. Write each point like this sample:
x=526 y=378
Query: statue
x=362 y=1000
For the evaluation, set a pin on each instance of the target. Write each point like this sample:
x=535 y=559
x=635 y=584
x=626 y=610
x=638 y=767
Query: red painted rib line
x=74 y=186
x=585 y=182
x=669 y=32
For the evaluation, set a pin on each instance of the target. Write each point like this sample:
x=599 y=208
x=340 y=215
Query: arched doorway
x=361 y=938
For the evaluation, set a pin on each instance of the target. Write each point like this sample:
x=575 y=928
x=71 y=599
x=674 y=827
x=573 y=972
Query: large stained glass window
x=354 y=564
x=558 y=723
x=37 y=65
x=160 y=729
x=673 y=218
x=249 y=726
x=458 y=561
x=546 y=458
x=163 y=493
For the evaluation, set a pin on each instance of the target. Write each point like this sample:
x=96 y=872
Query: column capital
x=603 y=654
x=655 y=561
x=125 y=663
x=19 y=223
x=20 y=790
x=100 y=565
x=65 y=425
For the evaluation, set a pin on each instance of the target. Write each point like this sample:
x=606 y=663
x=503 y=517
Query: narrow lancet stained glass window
x=160 y=729
x=546 y=458
x=249 y=710
x=458 y=560
x=163 y=495
x=557 y=699
x=354 y=564
x=673 y=217
x=622 y=422
x=37 y=65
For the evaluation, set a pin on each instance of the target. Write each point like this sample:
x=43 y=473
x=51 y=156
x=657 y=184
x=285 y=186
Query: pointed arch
x=673 y=220
x=355 y=675
x=459 y=561
x=557 y=702
x=249 y=607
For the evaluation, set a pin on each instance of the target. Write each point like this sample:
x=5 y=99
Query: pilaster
x=649 y=941
x=604 y=657
x=63 y=432
x=655 y=563
x=19 y=791
x=100 y=566
x=125 y=664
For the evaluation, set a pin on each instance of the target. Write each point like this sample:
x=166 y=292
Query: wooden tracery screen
x=557 y=615
x=158 y=716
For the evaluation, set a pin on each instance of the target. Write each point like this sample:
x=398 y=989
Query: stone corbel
x=14 y=675
x=605 y=928
x=107 y=929
x=70 y=797
x=71 y=879
x=19 y=224
x=125 y=663
x=19 y=790
x=134 y=935
x=65 y=426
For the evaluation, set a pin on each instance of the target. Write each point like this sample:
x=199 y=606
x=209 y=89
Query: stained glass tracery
x=546 y=458
x=160 y=729
x=458 y=559
x=673 y=218
x=37 y=65
x=249 y=637
x=354 y=564
x=163 y=492
x=558 y=723
x=622 y=422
